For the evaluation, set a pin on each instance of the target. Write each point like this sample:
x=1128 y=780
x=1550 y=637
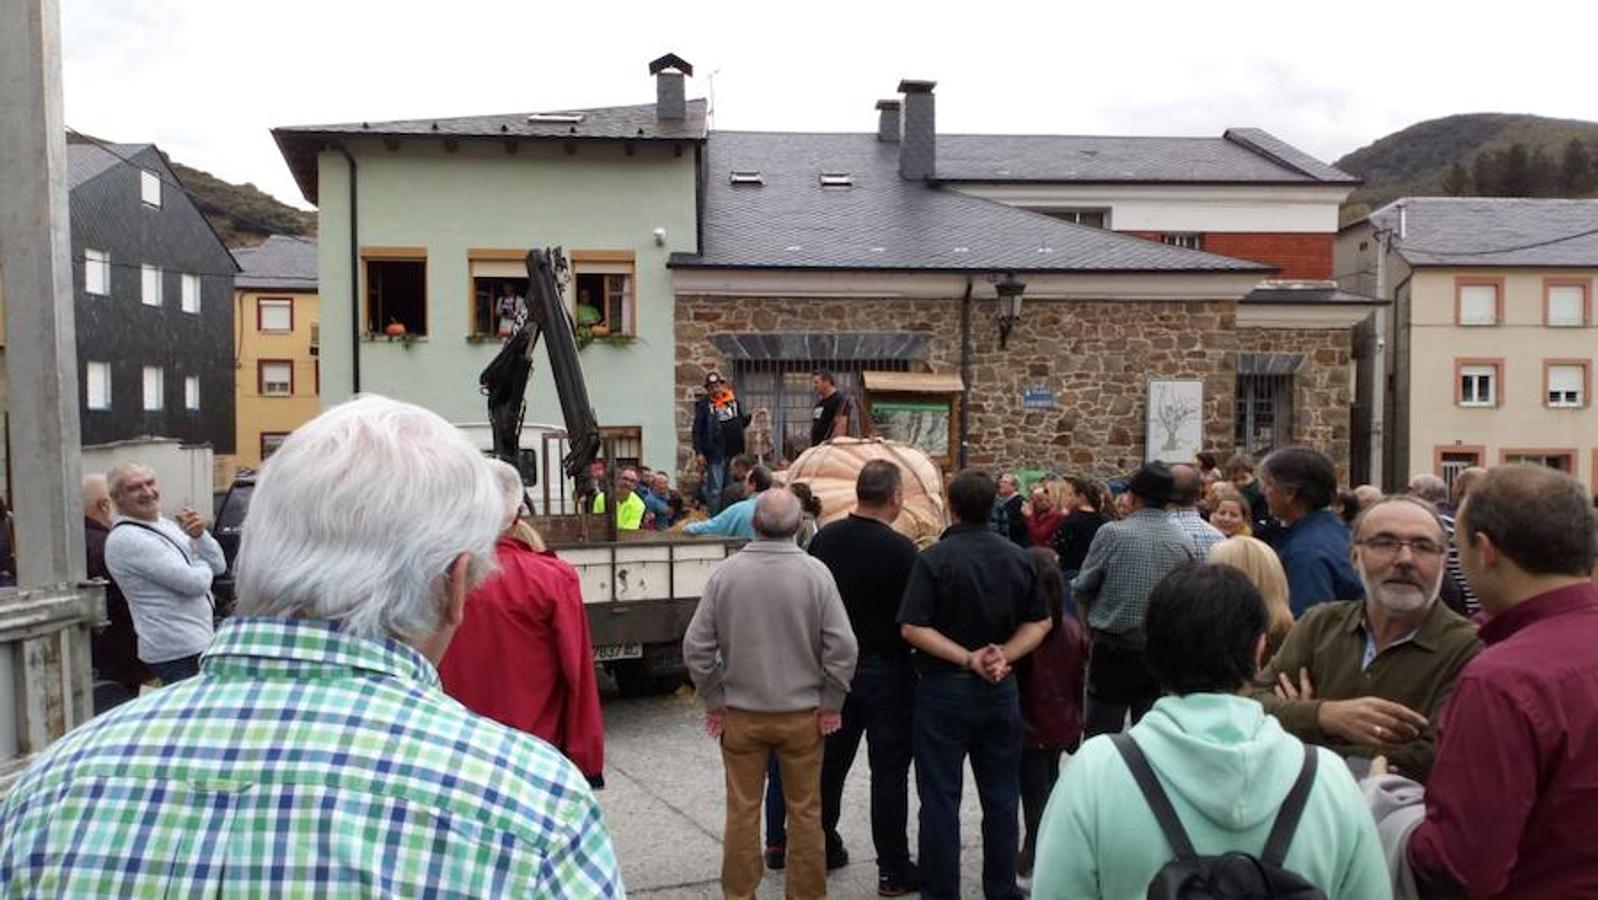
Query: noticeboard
x=924 y=424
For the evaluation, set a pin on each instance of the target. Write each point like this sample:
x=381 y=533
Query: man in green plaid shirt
x=316 y=753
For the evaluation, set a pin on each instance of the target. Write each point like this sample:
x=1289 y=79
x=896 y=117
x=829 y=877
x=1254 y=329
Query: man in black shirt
x=830 y=417
x=871 y=564
x=971 y=609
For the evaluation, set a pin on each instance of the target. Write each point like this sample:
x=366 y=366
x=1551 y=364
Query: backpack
x=1233 y=874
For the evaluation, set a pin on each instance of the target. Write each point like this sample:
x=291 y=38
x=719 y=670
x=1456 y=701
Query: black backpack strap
x=1158 y=802
x=1292 y=810
x=158 y=533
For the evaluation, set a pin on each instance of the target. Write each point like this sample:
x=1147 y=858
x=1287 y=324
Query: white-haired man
x=771 y=653
x=1367 y=677
x=164 y=568
x=316 y=755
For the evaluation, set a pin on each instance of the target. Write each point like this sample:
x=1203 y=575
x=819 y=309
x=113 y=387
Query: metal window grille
x=1455 y=463
x=783 y=387
x=1264 y=413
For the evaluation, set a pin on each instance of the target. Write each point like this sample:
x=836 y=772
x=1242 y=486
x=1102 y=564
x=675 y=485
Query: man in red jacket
x=522 y=655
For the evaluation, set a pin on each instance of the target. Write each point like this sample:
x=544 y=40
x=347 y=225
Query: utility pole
x=44 y=624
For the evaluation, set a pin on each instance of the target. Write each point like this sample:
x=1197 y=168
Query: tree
x=1575 y=169
x=1542 y=176
x=1457 y=182
x=1484 y=175
x=1515 y=175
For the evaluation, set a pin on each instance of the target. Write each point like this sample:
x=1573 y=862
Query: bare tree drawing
x=1172 y=412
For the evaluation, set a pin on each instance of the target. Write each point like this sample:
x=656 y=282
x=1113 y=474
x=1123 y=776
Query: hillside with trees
x=1477 y=155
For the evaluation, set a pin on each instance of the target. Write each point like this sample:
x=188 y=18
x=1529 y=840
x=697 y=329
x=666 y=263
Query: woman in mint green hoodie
x=1224 y=763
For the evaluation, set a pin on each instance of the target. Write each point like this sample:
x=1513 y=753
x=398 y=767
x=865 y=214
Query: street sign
x=1037 y=398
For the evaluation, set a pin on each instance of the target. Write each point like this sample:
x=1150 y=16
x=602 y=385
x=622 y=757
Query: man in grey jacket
x=164 y=568
x=772 y=654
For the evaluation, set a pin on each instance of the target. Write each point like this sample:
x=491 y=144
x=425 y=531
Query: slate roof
x=1241 y=155
x=885 y=222
x=1494 y=231
x=282 y=263
x=86 y=161
x=301 y=143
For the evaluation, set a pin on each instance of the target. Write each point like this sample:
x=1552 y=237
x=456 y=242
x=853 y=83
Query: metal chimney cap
x=912 y=86
x=671 y=61
x=888 y=104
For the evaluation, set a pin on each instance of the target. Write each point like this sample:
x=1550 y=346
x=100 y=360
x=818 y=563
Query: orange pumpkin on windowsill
x=395 y=329
x=599 y=330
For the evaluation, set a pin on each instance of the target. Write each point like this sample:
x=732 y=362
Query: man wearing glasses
x=1368 y=677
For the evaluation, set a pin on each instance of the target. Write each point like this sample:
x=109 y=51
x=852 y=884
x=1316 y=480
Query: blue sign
x=1037 y=398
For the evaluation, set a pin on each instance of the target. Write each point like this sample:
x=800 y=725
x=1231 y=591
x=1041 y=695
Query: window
x=1563 y=460
x=97 y=385
x=1565 y=303
x=151 y=291
x=1479 y=301
x=1478 y=383
x=150 y=187
x=275 y=377
x=1456 y=459
x=1097 y=218
x=396 y=295
x=97 y=272
x=1264 y=413
x=604 y=283
x=154 y=389
x=1188 y=240
x=1565 y=382
x=191 y=393
x=270 y=441
x=274 y=314
x=499 y=290
x=190 y=297
x=628 y=440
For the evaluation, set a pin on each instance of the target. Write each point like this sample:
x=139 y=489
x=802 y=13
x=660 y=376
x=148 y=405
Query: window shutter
x=1478 y=304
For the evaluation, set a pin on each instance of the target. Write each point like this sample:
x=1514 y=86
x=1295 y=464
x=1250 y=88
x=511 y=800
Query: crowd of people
x=1195 y=673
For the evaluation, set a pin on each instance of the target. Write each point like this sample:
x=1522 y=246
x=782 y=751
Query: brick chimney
x=671 y=102
x=918 y=141
x=888 y=121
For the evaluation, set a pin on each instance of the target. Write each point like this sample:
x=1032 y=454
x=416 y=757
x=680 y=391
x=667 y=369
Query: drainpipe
x=355 y=279
x=965 y=370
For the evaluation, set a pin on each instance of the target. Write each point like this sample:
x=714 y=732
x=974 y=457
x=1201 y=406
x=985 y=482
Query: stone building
x=848 y=252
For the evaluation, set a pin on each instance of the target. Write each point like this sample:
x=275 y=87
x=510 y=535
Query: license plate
x=613 y=652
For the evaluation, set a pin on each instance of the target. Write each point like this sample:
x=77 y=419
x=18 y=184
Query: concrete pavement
x=663 y=804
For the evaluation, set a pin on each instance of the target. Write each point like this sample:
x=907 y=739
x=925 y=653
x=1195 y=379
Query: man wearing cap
x=1125 y=561
x=719 y=424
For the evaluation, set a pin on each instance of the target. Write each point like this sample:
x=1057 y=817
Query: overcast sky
x=207 y=79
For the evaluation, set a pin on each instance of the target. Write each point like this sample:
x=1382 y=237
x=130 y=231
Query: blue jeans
x=174 y=670
x=959 y=714
x=714 y=481
x=878 y=708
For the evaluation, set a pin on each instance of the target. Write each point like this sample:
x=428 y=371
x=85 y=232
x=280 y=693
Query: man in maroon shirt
x=1512 y=804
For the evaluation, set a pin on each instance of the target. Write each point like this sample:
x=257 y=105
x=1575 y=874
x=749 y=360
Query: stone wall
x=1096 y=357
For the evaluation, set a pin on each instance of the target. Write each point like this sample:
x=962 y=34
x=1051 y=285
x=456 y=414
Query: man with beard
x=1368 y=677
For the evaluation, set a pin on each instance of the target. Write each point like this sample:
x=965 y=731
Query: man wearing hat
x=1125 y=561
x=719 y=424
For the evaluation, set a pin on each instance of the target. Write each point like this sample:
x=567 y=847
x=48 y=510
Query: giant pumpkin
x=832 y=467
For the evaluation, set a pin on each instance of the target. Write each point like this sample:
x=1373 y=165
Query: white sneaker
x=1024 y=882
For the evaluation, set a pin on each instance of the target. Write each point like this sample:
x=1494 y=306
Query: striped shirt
x=303 y=762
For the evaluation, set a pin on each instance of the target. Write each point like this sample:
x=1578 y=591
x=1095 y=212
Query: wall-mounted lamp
x=1010 y=290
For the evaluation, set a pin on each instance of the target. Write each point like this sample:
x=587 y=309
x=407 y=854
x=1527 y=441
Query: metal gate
x=783 y=387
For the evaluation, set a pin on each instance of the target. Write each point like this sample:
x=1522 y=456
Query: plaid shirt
x=1125 y=561
x=303 y=762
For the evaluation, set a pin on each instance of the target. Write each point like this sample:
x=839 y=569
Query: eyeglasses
x=1389 y=546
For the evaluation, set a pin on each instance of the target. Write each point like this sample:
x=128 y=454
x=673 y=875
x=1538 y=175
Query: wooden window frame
x=487 y=254
x=1569 y=453
x=609 y=258
x=1497 y=363
x=1586 y=381
x=263 y=439
x=1493 y=281
x=275 y=301
x=1477 y=450
x=260 y=377
x=1585 y=284
x=393 y=254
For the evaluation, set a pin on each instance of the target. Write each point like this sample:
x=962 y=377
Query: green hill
x=1477 y=154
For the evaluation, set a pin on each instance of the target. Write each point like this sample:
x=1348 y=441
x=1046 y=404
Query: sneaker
x=908 y=881
x=837 y=856
x=776 y=856
x=1024 y=882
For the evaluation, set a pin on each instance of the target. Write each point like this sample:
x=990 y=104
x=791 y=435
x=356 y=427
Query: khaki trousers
x=746 y=744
